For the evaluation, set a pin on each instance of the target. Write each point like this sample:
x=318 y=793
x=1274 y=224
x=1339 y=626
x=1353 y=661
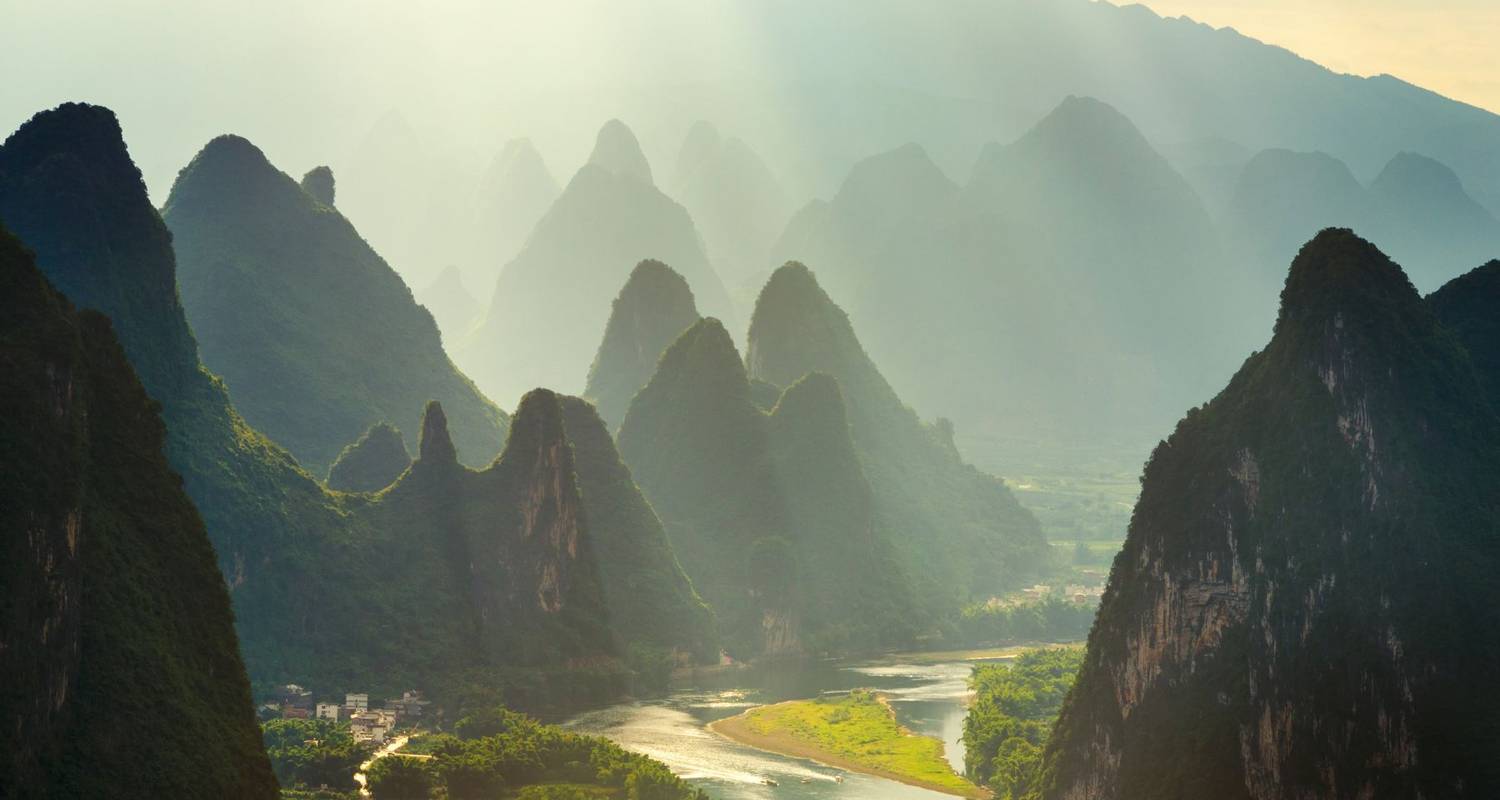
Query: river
x=928 y=699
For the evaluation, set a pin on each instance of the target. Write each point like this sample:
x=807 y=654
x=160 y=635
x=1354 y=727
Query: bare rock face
x=1292 y=614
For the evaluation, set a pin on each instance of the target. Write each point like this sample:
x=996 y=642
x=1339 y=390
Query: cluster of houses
x=1076 y=593
x=365 y=723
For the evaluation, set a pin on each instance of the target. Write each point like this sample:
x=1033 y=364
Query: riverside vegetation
x=857 y=731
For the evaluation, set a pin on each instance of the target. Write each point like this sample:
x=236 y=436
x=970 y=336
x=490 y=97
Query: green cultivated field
x=858 y=732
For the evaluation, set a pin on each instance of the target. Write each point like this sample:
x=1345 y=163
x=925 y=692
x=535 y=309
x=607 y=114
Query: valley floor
x=857 y=732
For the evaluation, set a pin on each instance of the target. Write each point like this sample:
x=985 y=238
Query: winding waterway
x=928 y=699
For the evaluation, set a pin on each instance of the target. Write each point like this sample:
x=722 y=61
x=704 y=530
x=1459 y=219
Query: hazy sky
x=1448 y=46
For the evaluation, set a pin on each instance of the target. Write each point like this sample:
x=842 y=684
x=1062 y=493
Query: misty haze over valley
x=1044 y=399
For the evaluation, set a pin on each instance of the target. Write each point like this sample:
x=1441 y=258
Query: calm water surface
x=928 y=699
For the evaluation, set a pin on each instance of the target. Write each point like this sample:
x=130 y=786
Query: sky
x=1448 y=46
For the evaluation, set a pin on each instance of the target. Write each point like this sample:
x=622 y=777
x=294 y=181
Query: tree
x=399 y=778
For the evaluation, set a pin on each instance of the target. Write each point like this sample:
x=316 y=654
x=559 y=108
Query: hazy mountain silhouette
x=451 y=304
x=737 y=204
x=552 y=300
x=316 y=336
x=513 y=194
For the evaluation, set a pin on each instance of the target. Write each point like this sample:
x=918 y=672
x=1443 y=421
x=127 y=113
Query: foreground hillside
x=113 y=599
x=1293 y=614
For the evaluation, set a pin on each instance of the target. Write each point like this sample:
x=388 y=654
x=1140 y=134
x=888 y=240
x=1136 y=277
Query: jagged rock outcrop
x=318 y=183
x=606 y=221
x=120 y=669
x=315 y=335
x=960 y=532
x=306 y=568
x=1293 y=613
x=372 y=463
x=653 y=309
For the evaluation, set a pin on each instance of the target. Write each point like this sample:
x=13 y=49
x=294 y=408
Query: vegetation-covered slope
x=697 y=445
x=1467 y=306
x=649 y=598
x=372 y=463
x=121 y=673
x=329 y=590
x=1294 y=610
x=960 y=532
x=608 y=219
x=652 y=310
x=314 y=333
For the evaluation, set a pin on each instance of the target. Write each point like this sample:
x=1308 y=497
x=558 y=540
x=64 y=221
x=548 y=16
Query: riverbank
x=857 y=732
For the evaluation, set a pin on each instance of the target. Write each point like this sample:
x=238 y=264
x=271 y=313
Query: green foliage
x=1050 y=619
x=958 y=534
x=281 y=291
x=372 y=463
x=498 y=750
x=313 y=752
x=858 y=727
x=653 y=309
x=399 y=778
x=121 y=670
x=1011 y=715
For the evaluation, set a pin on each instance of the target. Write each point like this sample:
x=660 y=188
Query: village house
x=328 y=711
x=357 y=702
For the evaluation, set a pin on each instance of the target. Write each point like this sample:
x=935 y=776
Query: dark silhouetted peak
x=653 y=309
x=701 y=142
x=617 y=150
x=318 y=183
x=435 y=446
x=70 y=191
x=1469 y=306
x=372 y=463
x=230 y=175
x=1340 y=279
x=537 y=424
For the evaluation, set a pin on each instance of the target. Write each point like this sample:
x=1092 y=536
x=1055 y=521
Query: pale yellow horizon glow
x=1448 y=46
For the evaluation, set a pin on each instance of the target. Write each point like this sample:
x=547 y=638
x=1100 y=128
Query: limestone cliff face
x=119 y=665
x=1293 y=613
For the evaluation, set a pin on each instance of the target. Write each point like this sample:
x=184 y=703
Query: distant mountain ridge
x=607 y=219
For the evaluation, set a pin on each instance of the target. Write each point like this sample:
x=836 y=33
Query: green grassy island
x=857 y=732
